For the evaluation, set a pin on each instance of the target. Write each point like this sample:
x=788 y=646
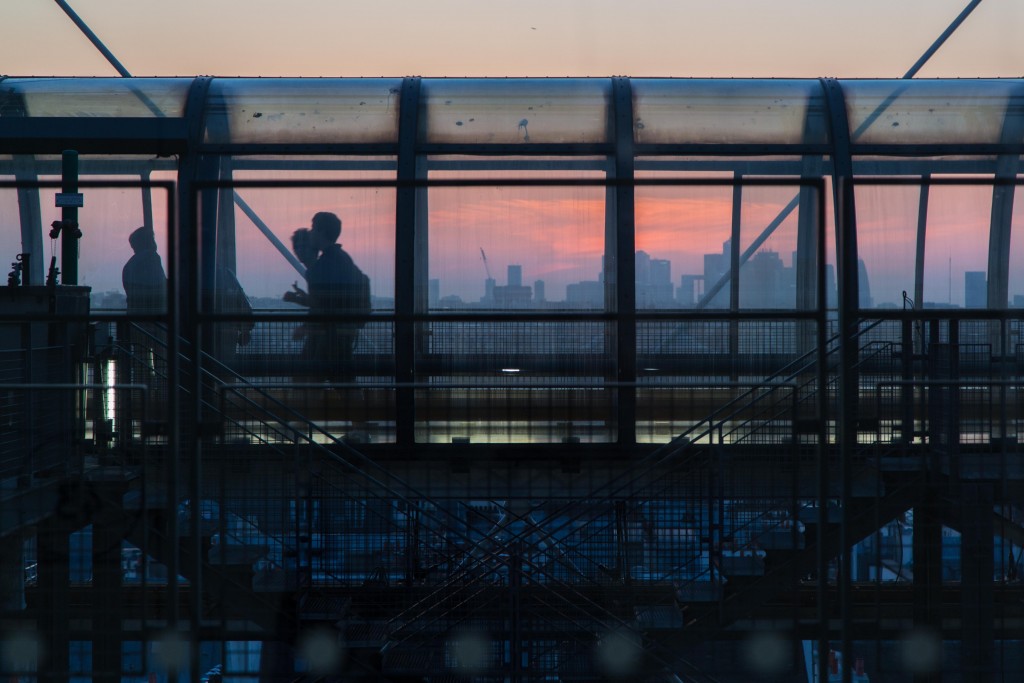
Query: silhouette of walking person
x=339 y=291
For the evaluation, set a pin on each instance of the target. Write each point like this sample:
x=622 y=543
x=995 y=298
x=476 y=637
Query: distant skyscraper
x=659 y=283
x=688 y=292
x=975 y=289
x=514 y=294
x=515 y=276
x=642 y=267
x=433 y=292
x=762 y=282
x=586 y=294
x=715 y=266
x=538 y=291
x=864 y=286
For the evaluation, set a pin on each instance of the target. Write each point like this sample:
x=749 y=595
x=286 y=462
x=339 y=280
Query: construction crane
x=487 y=268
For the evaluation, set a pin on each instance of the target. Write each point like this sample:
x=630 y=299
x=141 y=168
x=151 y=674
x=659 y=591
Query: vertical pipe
x=823 y=439
x=734 y=271
x=625 y=255
x=184 y=401
x=69 y=216
x=406 y=258
x=922 y=225
x=849 y=303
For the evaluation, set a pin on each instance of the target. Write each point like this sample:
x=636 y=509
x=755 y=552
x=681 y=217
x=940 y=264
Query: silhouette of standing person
x=142 y=277
x=339 y=290
x=145 y=287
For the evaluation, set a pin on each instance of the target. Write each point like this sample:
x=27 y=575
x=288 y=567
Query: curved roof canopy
x=111 y=115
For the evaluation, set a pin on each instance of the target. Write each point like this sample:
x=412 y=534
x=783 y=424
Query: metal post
x=849 y=304
x=734 y=271
x=978 y=593
x=407 y=239
x=624 y=250
x=823 y=442
x=69 y=218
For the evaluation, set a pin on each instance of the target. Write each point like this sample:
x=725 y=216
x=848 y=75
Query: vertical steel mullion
x=29 y=210
x=406 y=260
x=847 y=279
x=182 y=305
x=823 y=433
x=69 y=218
x=625 y=256
x=922 y=227
x=734 y=270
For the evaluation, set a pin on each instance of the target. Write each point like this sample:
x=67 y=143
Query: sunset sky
x=560 y=237
x=678 y=38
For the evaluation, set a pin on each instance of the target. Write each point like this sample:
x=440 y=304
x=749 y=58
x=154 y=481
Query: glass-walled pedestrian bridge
x=625 y=336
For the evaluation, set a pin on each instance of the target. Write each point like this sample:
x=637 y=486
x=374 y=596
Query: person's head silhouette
x=303 y=247
x=326 y=229
x=142 y=239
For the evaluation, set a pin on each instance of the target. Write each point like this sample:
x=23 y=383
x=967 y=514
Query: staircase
x=670 y=548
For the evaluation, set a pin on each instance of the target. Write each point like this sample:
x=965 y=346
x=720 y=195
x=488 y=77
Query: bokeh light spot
x=21 y=651
x=171 y=651
x=767 y=653
x=922 y=652
x=323 y=651
x=470 y=653
x=618 y=653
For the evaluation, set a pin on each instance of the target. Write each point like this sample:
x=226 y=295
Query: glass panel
x=268 y=263
x=517 y=247
x=1016 y=270
x=10 y=229
x=108 y=219
x=516 y=382
x=685 y=230
x=907 y=112
x=728 y=111
x=367 y=217
x=688 y=371
x=278 y=111
x=887 y=243
x=514 y=111
x=105 y=97
x=956 y=246
x=502 y=248
x=768 y=238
